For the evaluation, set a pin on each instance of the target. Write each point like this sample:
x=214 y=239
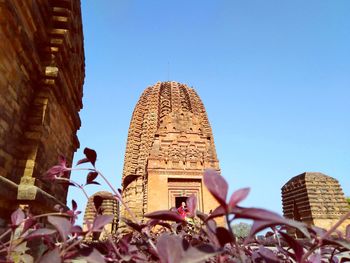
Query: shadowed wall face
x=170 y=143
x=41 y=79
x=314 y=198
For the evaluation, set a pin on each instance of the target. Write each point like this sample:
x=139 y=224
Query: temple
x=315 y=199
x=42 y=72
x=170 y=143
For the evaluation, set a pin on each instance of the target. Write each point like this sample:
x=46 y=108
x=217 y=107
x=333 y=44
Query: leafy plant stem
x=76 y=184
x=120 y=198
x=233 y=236
x=9 y=248
x=70 y=246
x=114 y=246
x=50 y=214
x=5 y=233
x=309 y=252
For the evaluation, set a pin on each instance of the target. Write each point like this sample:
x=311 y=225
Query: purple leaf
x=315 y=258
x=77 y=229
x=133 y=225
x=191 y=205
x=95 y=257
x=97 y=202
x=94 y=182
x=52 y=256
x=211 y=225
x=56 y=171
x=268 y=255
x=129 y=179
x=202 y=216
x=170 y=248
x=259 y=225
x=268 y=216
x=223 y=235
x=200 y=253
x=74 y=205
x=91 y=177
x=285 y=252
x=298 y=249
x=61 y=224
x=17 y=217
x=40 y=233
x=341 y=243
x=219 y=211
x=256 y=214
x=347 y=235
x=70 y=254
x=84 y=160
x=28 y=223
x=238 y=196
x=100 y=221
x=165 y=215
x=90 y=155
x=153 y=222
x=216 y=185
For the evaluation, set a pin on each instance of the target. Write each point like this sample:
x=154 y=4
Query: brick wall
x=41 y=80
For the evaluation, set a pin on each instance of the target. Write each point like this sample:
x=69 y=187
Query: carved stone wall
x=108 y=206
x=314 y=198
x=169 y=140
x=41 y=79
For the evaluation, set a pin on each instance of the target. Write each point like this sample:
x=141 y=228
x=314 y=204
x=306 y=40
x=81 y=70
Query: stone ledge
x=9 y=195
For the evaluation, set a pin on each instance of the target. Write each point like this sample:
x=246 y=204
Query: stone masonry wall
x=41 y=80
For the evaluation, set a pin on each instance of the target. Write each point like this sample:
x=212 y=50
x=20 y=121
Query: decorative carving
x=169 y=133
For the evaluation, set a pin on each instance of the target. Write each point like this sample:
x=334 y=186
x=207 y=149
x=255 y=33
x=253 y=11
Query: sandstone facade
x=41 y=80
x=316 y=199
x=170 y=143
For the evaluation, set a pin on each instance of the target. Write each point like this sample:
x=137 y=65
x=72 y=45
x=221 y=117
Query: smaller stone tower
x=314 y=198
x=108 y=206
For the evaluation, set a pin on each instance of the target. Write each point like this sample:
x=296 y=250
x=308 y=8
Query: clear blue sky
x=274 y=77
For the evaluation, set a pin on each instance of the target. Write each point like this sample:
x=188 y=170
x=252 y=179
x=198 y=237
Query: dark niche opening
x=179 y=200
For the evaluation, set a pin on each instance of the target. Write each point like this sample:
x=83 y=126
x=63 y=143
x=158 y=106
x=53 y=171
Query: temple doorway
x=179 y=200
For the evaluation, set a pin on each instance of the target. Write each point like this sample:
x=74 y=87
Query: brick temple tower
x=315 y=199
x=42 y=72
x=170 y=143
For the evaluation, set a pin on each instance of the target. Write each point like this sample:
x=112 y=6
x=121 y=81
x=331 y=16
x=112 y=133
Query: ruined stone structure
x=170 y=143
x=41 y=80
x=108 y=206
x=314 y=198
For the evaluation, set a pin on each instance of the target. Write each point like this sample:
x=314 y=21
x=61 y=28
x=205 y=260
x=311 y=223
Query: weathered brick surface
x=41 y=79
x=170 y=143
x=109 y=206
x=314 y=198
